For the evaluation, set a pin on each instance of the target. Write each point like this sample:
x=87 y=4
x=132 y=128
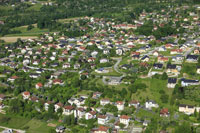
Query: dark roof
x=172 y=80
x=194 y=57
x=158 y=65
x=171 y=66
x=189 y=80
x=144 y=57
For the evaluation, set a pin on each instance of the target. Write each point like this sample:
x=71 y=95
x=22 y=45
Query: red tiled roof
x=69 y=107
x=26 y=93
x=39 y=84
x=124 y=117
x=92 y=112
x=164 y=111
x=102 y=116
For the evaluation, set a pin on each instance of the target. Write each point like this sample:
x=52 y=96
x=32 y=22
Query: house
x=101 y=129
x=34 y=75
x=46 y=105
x=2 y=97
x=188 y=109
x=192 y=58
x=114 y=81
x=38 y=85
x=124 y=119
x=136 y=57
x=60 y=129
x=134 y=103
x=104 y=60
x=178 y=58
x=34 y=99
x=188 y=82
x=151 y=104
x=162 y=59
x=102 y=119
x=77 y=101
x=120 y=105
x=58 y=82
x=77 y=66
x=104 y=102
x=161 y=49
x=13 y=78
x=106 y=51
x=155 y=53
x=172 y=68
x=176 y=51
x=68 y=110
x=90 y=115
x=101 y=70
x=157 y=66
x=119 y=51
x=58 y=106
x=96 y=95
x=171 y=82
x=196 y=51
x=168 y=46
x=145 y=58
x=198 y=69
x=26 y=95
x=80 y=113
x=164 y=112
x=66 y=65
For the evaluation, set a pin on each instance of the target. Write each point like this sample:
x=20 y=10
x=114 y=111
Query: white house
x=104 y=60
x=189 y=82
x=151 y=104
x=104 y=102
x=90 y=115
x=46 y=105
x=134 y=103
x=26 y=95
x=102 y=119
x=124 y=119
x=119 y=51
x=79 y=113
x=57 y=106
x=188 y=109
x=120 y=105
x=68 y=110
x=198 y=70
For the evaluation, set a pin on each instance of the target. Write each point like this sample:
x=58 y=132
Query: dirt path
x=14 y=39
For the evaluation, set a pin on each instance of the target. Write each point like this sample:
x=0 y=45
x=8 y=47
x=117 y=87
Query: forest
x=47 y=15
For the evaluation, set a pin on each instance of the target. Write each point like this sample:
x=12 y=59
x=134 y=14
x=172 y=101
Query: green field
x=33 y=32
x=30 y=125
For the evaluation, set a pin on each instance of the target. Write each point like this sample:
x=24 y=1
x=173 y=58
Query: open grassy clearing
x=66 y=20
x=30 y=125
x=24 y=32
x=14 y=39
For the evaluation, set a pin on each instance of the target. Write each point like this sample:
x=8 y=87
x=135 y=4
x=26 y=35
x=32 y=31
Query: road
x=116 y=69
x=17 y=130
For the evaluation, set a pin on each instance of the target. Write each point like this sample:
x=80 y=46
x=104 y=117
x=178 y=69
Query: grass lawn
x=165 y=53
x=111 y=72
x=36 y=126
x=15 y=121
x=35 y=7
x=1 y=129
x=152 y=90
x=30 y=125
x=33 y=32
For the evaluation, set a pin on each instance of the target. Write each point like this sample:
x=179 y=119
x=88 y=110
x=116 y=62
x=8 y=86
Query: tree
x=184 y=128
x=30 y=27
x=121 y=125
x=164 y=76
